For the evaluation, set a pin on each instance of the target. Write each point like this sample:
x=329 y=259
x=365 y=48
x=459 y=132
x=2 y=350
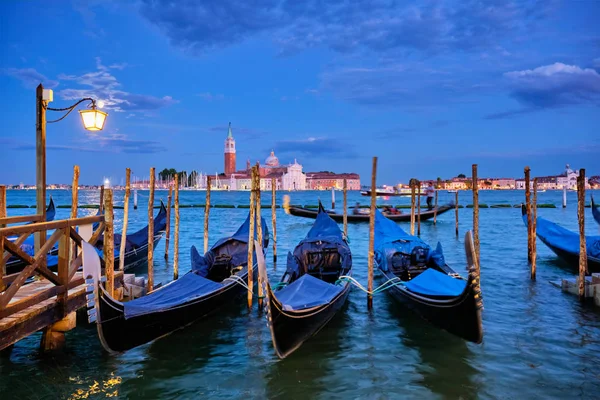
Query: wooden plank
x=151 y=231
x=40 y=164
x=20 y=240
x=58 y=224
x=63 y=267
x=109 y=242
x=2 y=204
x=41 y=269
x=23 y=275
x=17 y=219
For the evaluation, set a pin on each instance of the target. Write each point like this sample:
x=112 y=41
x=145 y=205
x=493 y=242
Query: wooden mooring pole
x=135 y=198
x=419 y=208
x=435 y=207
x=101 y=204
x=412 y=208
x=259 y=235
x=168 y=231
x=176 y=233
x=332 y=198
x=475 y=183
x=274 y=217
x=582 y=244
x=40 y=164
x=74 y=203
x=3 y=213
x=151 y=232
x=125 y=219
x=345 y=207
x=108 y=248
x=533 y=230
x=456 y=212
x=251 y=236
x=206 y=213
x=528 y=208
x=372 y=232
x=564 y=203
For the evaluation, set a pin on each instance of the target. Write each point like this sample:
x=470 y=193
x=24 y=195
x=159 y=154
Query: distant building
x=326 y=180
x=229 y=153
x=567 y=179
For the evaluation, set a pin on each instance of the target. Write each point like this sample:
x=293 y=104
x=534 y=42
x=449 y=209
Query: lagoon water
x=538 y=341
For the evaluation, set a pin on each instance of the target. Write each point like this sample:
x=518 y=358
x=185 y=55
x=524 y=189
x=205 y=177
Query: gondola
x=595 y=211
x=309 y=213
x=420 y=279
x=136 y=244
x=309 y=293
x=213 y=281
x=565 y=243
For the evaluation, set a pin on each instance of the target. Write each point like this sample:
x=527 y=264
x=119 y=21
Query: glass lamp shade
x=93 y=120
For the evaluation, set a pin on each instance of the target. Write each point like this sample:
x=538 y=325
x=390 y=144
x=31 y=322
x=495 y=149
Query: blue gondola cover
x=306 y=292
x=188 y=287
x=434 y=283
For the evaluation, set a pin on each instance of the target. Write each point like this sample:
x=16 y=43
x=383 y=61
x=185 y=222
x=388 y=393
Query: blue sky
x=428 y=87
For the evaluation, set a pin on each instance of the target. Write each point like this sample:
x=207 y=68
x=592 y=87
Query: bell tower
x=229 y=153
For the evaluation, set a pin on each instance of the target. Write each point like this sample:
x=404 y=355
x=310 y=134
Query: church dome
x=272 y=160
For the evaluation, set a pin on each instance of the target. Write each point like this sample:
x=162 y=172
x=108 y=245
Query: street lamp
x=93 y=120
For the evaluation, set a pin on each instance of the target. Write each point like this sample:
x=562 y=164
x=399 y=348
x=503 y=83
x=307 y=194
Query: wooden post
x=533 y=229
x=176 y=234
x=109 y=242
x=372 y=232
x=125 y=219
x=528 y=208
x=412 y=208
x=274 y=217
x=75 y=192
x=151 y=232
x=475 y=183
x=332 y=198
x=435 y=207
x=168 y=231
x=101 y=202
x=40 y=164
x=3 y=213
x=251 y=236
x=419 y=208
x=582 y=244
x=135 y=199
x=456 y=212
x=259 y=234
x=345 y=207
x=206 y=213
x=564 y=196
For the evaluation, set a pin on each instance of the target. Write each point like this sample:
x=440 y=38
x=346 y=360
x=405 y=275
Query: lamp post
x=93 y=120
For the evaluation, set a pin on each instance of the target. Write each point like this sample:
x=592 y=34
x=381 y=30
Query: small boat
x=309 y=293
x=420 y=279
x=215 y=279
x=364 y=217
x=50 y=211
x=595 y=211
x=452 y=191
x=565 y=243
x=389 y=191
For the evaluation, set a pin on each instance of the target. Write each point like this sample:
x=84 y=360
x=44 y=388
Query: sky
x=429 y=87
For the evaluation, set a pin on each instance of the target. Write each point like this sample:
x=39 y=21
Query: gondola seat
x=434 y=283
x=307 y=292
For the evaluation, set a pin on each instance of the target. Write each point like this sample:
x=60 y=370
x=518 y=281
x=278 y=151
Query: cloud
x=316 y=147
x=210 y=97
x=345 y=26
x=30 y=77
x=102 y=85
x=552 y=86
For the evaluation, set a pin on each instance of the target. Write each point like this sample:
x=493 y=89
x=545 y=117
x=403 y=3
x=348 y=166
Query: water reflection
x=308 y=372
x=446 y=361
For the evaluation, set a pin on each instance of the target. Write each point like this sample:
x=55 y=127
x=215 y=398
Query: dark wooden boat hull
x=308 y=213
x=289 y=329
x=460 y=315
x=118 y=334
x=572 y=259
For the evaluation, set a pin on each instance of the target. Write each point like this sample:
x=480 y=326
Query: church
x=287 y=177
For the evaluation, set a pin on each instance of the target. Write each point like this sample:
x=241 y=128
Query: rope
x=379 y=289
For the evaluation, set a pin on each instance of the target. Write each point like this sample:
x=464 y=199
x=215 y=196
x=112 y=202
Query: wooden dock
x=42 y=314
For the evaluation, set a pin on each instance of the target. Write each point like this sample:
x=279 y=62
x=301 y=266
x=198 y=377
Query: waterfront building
x=503 y=183
x=325 y=180
x=567 y=179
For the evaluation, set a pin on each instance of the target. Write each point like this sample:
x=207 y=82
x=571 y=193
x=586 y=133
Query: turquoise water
x=538 y=342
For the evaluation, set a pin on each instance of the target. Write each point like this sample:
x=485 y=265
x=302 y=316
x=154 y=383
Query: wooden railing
x=69 y=261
